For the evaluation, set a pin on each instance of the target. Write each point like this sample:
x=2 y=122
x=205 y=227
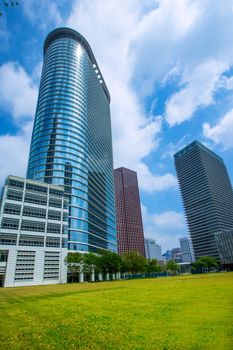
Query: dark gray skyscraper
x=207 y=196
x=71 y=141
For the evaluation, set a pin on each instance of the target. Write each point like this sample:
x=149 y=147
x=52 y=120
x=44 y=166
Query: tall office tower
x=186 y=249
x=207 y=196
x=153 y=250
x=71 y=141
x=128 y=212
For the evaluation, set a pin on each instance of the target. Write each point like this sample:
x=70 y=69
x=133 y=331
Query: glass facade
x=71 y=142
x=207 y=196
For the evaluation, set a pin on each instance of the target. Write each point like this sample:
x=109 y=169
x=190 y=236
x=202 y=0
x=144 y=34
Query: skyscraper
x=71 y=141
x=153 y=250
x=207 y=196
x=128 y=212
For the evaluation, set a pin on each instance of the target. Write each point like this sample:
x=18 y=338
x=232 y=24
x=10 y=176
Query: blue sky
x=169 y=68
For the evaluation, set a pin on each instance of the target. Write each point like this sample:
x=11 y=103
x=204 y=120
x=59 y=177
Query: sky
x=168 y=65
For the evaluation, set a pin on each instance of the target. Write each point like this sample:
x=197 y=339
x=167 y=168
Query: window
x=54 y=215
x=35 y=199
x=52 y=242
x=15 y=183
x=10 y=224
x=25 y=264
x=13 y=209
x=14 y=195
x=55 y=202
x=36 y=226
x=36 y=188
x=34 y=212
x=53 y=228
x=56 y=192
x=52 y=265
x=8 y=238
x=31 y=240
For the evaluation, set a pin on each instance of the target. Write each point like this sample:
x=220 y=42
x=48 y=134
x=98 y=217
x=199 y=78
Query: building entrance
x=2 y=281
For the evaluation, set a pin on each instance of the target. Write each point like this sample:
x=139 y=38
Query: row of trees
x=131 y=263
x=205 y=264
x=109 y=262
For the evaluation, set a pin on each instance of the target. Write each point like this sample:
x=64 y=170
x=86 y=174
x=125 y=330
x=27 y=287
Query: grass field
x=186 y=312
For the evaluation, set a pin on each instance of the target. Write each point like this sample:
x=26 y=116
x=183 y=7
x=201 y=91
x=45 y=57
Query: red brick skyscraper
x=128 y=212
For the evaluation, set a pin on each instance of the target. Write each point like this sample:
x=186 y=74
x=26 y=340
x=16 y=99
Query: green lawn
x=187 y=312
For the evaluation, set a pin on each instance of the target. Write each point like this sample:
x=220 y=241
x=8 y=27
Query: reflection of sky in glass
x=72 y=146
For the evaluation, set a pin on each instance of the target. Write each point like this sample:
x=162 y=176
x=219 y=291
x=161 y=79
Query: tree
x=8 y=3
x=89 y=262
x=134 y=262
x=152 y=266
x=74 y=262
x=204 y=263
x=172 y=266
x=109 y=261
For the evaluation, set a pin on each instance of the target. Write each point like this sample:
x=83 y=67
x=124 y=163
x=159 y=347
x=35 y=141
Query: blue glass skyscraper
x=71 y=141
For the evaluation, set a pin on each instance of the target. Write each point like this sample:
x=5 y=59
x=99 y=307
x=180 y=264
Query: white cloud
x=18 y=94
x=175 y=40
x=200 y=86
x=156 y=39
x=169 y=219
x=14 y=151
x=150 y=182
x=222 y=132
x=43 y=13
x=166 y=228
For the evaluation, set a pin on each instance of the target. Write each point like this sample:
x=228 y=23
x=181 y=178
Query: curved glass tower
x=71 y=141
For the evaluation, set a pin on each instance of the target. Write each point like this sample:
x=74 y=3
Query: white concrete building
x=33 y=233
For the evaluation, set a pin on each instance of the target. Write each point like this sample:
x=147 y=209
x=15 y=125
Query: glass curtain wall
x=71 y=141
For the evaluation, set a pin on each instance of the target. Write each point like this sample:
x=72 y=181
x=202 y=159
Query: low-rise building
x=33 y=233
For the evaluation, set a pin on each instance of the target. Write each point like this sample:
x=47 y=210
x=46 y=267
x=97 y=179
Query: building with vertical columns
x=71 y=142
x=33 y=233
x=207 y=196
x=130 y=234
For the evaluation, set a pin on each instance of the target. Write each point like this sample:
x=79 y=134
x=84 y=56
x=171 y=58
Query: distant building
x=158 y=253
x=33 y=233
x=224 y=240
x=186 y=249
x=167 y=256
x=176 y=255
x=207 y=196
x=128 y=212
x=153 y=250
